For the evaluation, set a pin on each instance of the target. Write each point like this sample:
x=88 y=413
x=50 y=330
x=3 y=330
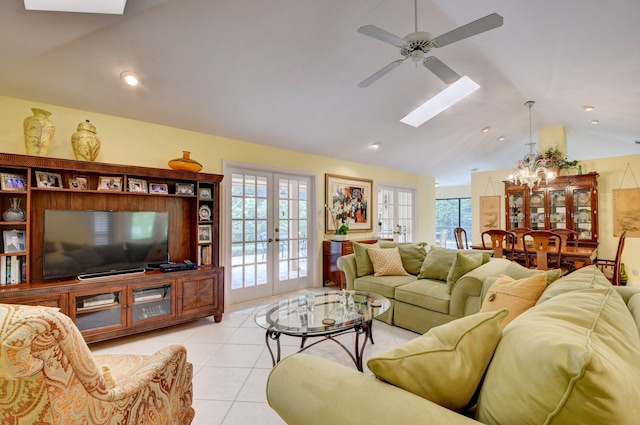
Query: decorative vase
x=340 y=237
x=185 y=163
x=38 y=132
x=85 y=142
x=623 y=275
x=14 y=213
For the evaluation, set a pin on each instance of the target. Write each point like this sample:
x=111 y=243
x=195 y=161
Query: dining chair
x=458 y=234
x=519 y=257
x=501 y=242
x=569 y=238
x=611 y=268
x=542 y=249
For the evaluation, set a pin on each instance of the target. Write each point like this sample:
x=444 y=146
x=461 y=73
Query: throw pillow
x=386 y=262
x=363 y=263
x=412 y=254
x=446 y=364
x=515 y=295
x=462 y=265
x=517 y=271
x=438 y=262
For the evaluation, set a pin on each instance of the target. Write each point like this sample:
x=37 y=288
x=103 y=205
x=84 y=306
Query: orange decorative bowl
x=185 y=163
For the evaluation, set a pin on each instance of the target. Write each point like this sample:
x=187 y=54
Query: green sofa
x=418 y=304
x=573 y=358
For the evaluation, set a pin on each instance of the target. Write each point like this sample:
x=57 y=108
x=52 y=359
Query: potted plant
x=555 y=159
x=340 y=214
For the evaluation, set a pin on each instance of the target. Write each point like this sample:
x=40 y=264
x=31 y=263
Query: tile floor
x=231 y=362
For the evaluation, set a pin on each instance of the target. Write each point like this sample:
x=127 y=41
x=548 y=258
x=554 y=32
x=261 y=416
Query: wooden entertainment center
x=118 y=305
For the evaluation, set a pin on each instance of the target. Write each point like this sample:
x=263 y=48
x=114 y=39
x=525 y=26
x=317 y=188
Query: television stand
x=110 y=273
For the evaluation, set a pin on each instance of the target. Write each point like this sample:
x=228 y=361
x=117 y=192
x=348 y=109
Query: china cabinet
x=567 y=202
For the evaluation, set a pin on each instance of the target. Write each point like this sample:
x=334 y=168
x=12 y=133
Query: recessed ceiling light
x=588 y=108
x=594 y=122
x=500 y=139
x=448 y=97
x=130 y=78
x=375 y=145
x=112 y=7
x=486 y=129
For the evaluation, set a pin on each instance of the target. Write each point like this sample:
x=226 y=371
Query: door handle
x=270 y=240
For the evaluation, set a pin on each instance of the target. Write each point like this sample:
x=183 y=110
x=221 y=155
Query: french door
x=396 y=213
x=269 y=231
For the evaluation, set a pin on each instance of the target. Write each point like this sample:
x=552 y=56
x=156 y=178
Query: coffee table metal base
x=363 y=328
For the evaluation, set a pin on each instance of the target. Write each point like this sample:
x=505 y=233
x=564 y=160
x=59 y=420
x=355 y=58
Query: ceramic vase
x=340 y=237
x=85 y=142
x=623 y=275
x=38 y=132
x=14 y=213
x=185 y=163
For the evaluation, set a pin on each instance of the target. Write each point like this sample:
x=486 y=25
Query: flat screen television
x=78 y=242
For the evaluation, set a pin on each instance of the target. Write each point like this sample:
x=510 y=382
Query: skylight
x=440 y=102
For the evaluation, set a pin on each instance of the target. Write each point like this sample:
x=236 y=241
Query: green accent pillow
x=412 y=254
x=517 y=272
x=446 y=364
x=462 y=265
x=363 y=262
x=438 y=261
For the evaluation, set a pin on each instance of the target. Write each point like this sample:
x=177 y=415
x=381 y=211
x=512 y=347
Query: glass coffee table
x=325 y=315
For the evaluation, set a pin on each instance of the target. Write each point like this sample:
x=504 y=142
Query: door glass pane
x=557 y=209
x=292 y=228
x=516 y=211
x=536 y=210
x=582 y=213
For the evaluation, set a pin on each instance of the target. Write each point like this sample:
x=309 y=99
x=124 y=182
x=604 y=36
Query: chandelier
x=531 y=170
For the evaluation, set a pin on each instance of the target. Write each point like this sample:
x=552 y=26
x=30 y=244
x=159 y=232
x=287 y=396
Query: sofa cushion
x=363 y=262
x=412 y=254
x=518 y=271
x=572 y=359
x=446 y=364
x=634 y=308
x=438 y=262
x=515 y=295
x=383 y=285
x=462 y=264
x=426 y=293
x=386 y=262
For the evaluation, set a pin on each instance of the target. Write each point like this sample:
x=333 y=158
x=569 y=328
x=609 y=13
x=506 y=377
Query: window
x=452 y=213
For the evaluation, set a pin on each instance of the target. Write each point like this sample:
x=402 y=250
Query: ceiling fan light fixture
x=448 y=97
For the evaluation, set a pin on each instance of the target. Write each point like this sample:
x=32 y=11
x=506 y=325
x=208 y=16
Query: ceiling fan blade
x=487 y=23
x=393 y=65
x=382 y=35
x=441 y=70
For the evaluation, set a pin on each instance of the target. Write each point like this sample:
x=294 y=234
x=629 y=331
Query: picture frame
x=137 y=185
x=204 y=193
x=79 y=183
x=184 y=189
x=204 y=233
x=625 y=212
x=158 y=188
x=110 y=183
x=355 y=195
x=13 y=182
x=47 y=179
x=489 y=212
x=14 y=241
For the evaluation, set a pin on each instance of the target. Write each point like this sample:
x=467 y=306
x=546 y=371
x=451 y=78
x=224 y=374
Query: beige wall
x=611 y=172
x=132 y=142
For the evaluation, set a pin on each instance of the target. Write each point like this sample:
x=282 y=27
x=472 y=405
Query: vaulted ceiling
x=285 y=72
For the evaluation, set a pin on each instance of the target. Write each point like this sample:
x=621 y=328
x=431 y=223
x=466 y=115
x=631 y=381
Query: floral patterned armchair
x=49 y=376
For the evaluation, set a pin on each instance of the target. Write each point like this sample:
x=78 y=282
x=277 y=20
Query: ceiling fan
x=417 y=45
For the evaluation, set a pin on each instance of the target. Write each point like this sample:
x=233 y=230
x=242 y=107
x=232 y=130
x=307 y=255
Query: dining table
x=580 y=256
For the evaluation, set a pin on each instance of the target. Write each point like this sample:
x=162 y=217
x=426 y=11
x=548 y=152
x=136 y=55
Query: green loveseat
x=418 y=304
x=573 y=358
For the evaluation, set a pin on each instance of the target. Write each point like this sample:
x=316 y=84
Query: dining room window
x=452 y=213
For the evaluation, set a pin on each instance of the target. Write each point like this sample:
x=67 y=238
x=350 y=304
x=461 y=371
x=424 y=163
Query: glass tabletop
x=321 y=313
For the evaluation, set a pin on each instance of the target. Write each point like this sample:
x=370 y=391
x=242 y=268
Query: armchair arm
x=308 y=390
x=347 y=264
x=466 y=295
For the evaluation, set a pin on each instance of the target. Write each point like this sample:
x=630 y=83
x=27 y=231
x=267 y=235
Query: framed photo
x=12 y=182
x=110 y=183
x=79 y=183
x=46 y=179
x=348 y=201
x=13 y=241
x=489 y=212
x=184 y=188
x=158 y=188
x=137 y=185
x=205 y=193
x=204 y=233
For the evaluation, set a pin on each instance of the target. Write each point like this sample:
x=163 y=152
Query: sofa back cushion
x=363 y=262
x=438 y=262
x=572 y=359
x=462 y=264
x=412 y=254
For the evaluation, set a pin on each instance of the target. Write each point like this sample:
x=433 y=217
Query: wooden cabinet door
x=202 y=292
